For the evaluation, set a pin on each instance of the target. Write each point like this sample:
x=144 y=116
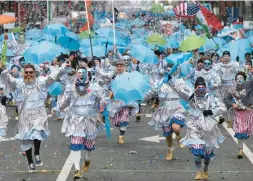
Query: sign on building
x=248 y=22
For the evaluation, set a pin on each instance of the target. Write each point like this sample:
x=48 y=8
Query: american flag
x=187 y=9
x=167 y=27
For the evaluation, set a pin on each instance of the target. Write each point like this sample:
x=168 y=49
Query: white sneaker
x=38 y=161
x=31 y=168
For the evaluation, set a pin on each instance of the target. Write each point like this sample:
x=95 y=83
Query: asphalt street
x=135 y=160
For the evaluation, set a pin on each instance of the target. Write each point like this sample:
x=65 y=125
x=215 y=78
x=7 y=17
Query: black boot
x=138 y=118
x=221 y=120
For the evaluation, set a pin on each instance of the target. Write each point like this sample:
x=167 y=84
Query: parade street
x=142 y=157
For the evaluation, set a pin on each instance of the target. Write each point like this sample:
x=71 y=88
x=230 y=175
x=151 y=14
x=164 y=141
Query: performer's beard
x=29 y=79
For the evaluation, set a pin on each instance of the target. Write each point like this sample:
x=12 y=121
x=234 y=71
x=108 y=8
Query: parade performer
x=65 y=80
x=169 y=116
x=203 y=135
x=215 y=58
x=104 y=78
x=198 y=68
x=120 y=114
x=80 y=103
x=212 y=79
x=31 y=93
x=119 y=111
x=156 y=76
x=240 y=98
x=19 y=47
x=227 y=70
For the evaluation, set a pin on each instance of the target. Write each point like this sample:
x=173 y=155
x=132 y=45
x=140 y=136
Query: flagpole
x=114 y=34
x=48 y=13
x=88 y=23
x=217 y=44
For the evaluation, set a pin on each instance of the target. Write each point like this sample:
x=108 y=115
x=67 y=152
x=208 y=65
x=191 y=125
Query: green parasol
x=192 y=43
x=156 y=39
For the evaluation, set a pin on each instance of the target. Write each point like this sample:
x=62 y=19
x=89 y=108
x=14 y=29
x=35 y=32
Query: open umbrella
x=129 y=87
x=248 y=33
x=34 y=34
x=5 y=19
x=250 y=39
x=192 y=43
x=55 y=29
x=108 y=33
x=156 y=39
x=226 y=31
x=43 y=52
x=69 y=41
x=175 y=57
x=144 y=54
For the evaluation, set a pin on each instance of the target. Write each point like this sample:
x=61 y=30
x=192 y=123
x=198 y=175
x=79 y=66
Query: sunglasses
x=207 y=63
x=29 y=72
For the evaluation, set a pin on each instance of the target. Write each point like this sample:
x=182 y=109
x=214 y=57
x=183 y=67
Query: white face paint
x=207 y=64
x=240 y=80
x=82 y=75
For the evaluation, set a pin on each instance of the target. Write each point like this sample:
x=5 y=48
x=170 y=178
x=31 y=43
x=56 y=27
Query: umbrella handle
x=107 y=124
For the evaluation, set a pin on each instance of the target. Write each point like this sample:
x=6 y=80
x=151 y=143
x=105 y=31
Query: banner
x=10 y=25
x=248 y=22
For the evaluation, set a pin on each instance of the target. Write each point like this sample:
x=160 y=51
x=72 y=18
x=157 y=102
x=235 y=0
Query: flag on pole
x=209 y=19
x=208 y=6
x=187 y=9
x=205 y=27
x=167 y=27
